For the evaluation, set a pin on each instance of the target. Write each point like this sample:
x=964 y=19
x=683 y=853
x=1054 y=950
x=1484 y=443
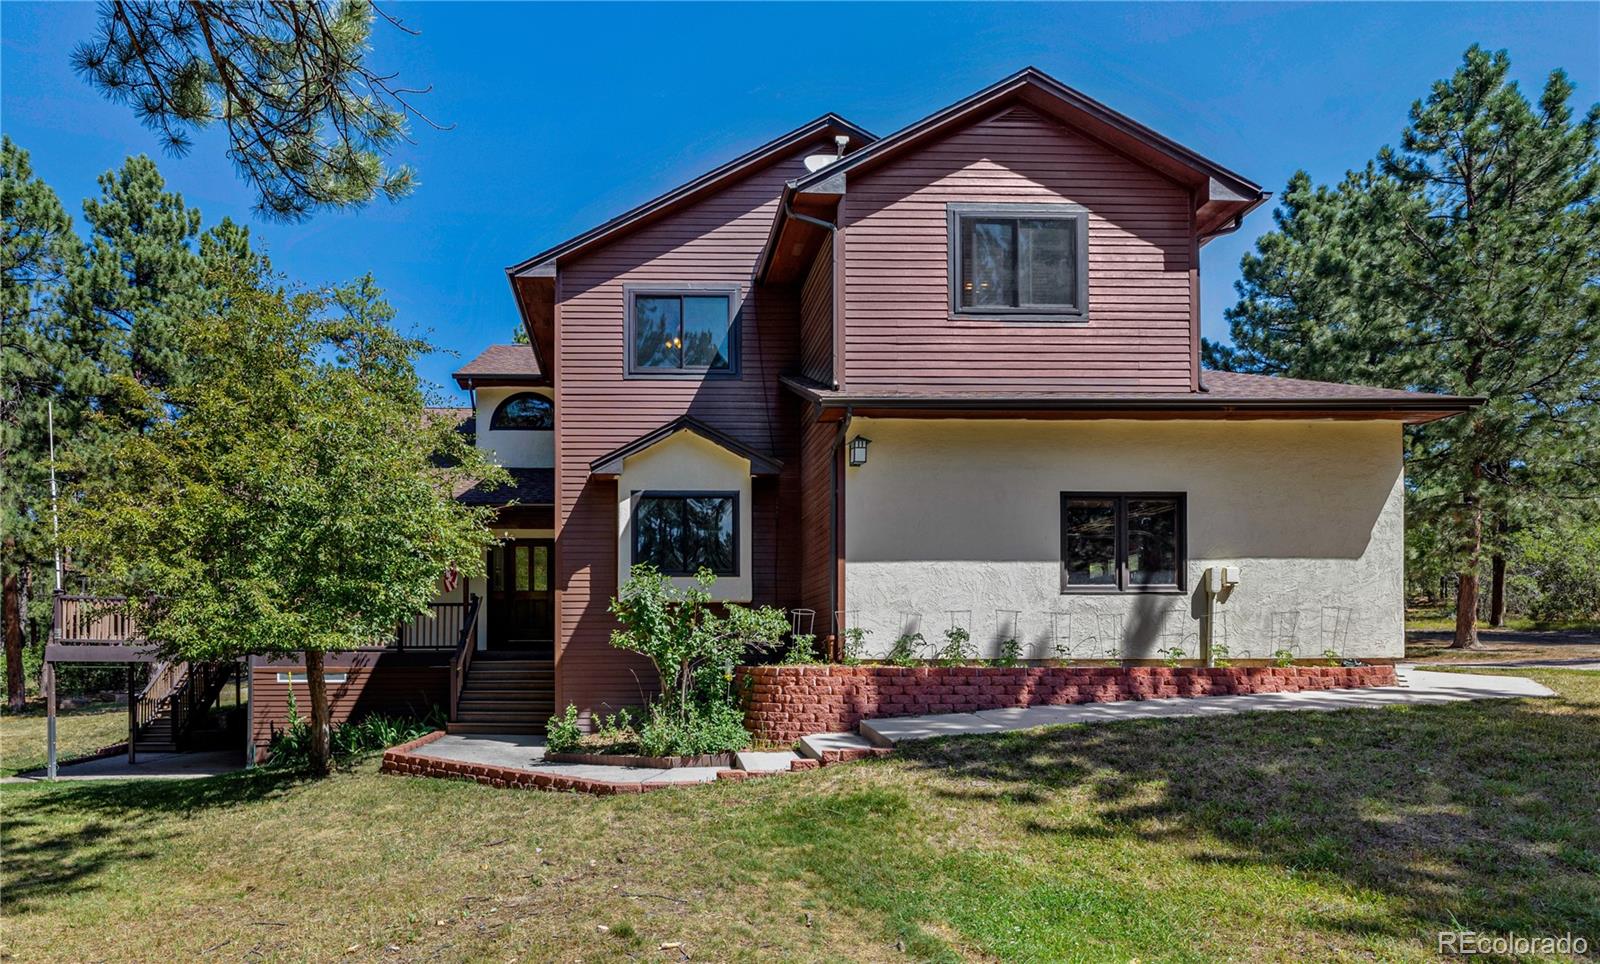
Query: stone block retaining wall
x=784 y=703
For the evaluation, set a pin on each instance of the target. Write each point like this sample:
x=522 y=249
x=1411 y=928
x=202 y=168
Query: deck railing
x=437 y=629
x=93 y=619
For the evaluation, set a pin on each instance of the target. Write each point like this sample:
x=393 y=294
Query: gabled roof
x=1052 y=96
x=501 y=365
x=827 y=124
x=610 y=464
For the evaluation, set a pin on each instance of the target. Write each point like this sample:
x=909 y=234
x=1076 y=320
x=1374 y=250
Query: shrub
x=1009 y=653
x=694 y=649
x=1221 y=656
x=906 y=649
x=1283 y=657
x=562 y=734
x=1173 y=656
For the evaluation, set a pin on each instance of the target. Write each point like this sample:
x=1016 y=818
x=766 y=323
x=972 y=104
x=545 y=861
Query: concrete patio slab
x=151 y=766
x=758 y=762
x=1420 y=687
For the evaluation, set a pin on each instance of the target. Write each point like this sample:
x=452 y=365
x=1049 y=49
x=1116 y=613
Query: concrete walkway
x=151 y=766
x=520 y=752
x=1417 y=687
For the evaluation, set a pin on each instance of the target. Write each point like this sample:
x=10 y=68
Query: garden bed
x=648 y=762
x=784 y=703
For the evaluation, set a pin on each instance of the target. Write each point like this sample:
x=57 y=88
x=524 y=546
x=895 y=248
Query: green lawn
x=78 y=732
x=1277 y=836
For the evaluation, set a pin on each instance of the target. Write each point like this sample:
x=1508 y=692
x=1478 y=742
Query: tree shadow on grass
x=1481 y=815
x=60 y=839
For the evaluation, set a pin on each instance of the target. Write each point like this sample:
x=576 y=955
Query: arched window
x=524 y=411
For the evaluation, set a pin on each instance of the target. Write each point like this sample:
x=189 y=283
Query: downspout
x=835 y=536
x=833 y=276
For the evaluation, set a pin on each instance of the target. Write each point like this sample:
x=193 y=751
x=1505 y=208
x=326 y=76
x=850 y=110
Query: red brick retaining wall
x=785 y=703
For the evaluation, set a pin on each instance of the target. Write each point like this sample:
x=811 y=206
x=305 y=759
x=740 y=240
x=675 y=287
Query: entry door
x=520 y=614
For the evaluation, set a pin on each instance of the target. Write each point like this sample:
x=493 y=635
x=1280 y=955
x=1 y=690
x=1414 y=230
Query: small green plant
x=906 y=650
x=956 y=649
x=562 y=734
x=1008 y=653
x=615 y=729
x=1332 y=656
x=352 y=740
x=801 y=650
x=1173 y=656
x=1283 y=657
x=1220 y=655
x=855 y=645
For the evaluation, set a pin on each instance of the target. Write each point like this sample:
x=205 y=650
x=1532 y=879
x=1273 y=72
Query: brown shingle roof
x=1228 y=394
x=528 y=487
x=501 y=365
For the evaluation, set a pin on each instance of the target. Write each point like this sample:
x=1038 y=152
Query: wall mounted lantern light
x=858 y=450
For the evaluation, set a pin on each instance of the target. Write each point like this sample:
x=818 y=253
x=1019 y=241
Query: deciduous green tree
x=309 y=121
x=289 y=495
x=1465 y=260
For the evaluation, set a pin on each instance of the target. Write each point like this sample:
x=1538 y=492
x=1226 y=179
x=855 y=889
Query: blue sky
x=565 y=115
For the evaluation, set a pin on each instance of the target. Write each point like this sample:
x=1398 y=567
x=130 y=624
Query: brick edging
x=784 y=703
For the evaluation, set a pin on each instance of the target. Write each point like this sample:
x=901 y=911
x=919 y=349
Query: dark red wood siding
x=816 y=317
x=598 y=409
x=817 y=560
x=375 y=682
x=898 y=326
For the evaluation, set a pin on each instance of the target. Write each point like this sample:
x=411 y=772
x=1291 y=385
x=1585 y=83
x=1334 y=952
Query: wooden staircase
x=505 y=694
x=174 y=707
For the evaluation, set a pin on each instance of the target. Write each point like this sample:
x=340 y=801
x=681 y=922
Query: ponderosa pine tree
x=44 y=356
x=289 y=495
x=309 y=122
x=1465 y=260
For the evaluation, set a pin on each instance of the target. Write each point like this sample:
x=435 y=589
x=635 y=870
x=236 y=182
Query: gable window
x=1019 y=261
x=525 y=411
x=1122 y=543
x=682 y=331
x=681 y=532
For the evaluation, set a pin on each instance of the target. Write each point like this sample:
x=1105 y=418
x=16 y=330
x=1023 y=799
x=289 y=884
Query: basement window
x=1123 y=542
x=686 y=331
x=300 y=677
x=682 y=532
x=1023 y=262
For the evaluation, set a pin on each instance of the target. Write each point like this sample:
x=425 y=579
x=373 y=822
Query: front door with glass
x=520 y=604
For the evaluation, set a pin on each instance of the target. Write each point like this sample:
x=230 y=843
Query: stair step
x=465 y=727
x=509 y=692
x=485 y=716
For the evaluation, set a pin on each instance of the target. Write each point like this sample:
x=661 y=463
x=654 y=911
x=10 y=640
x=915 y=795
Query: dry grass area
x=79 y=732
x=1277 y=836
x=1506 y=646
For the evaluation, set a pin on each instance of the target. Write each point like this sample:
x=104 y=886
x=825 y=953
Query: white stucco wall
x=964 y=516
x=513 y=449
x=686 y=461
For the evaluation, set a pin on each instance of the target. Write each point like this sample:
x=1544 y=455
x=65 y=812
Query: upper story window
x=1019 y=261
x=525 y=411
x=680 y=331
x=1122 y=543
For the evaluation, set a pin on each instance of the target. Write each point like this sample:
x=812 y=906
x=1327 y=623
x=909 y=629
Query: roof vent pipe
x=842 y=141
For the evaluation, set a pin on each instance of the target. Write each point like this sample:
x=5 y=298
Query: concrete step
x=758 y=762
x=817 y=746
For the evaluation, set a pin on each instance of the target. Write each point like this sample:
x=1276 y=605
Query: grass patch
x=79 y=732
x=1269 y=836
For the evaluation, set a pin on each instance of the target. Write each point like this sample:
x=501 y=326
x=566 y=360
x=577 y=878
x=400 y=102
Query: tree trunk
x=321 y=731
x=1497 y=590
x=11 y=606
x=1467 y=581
